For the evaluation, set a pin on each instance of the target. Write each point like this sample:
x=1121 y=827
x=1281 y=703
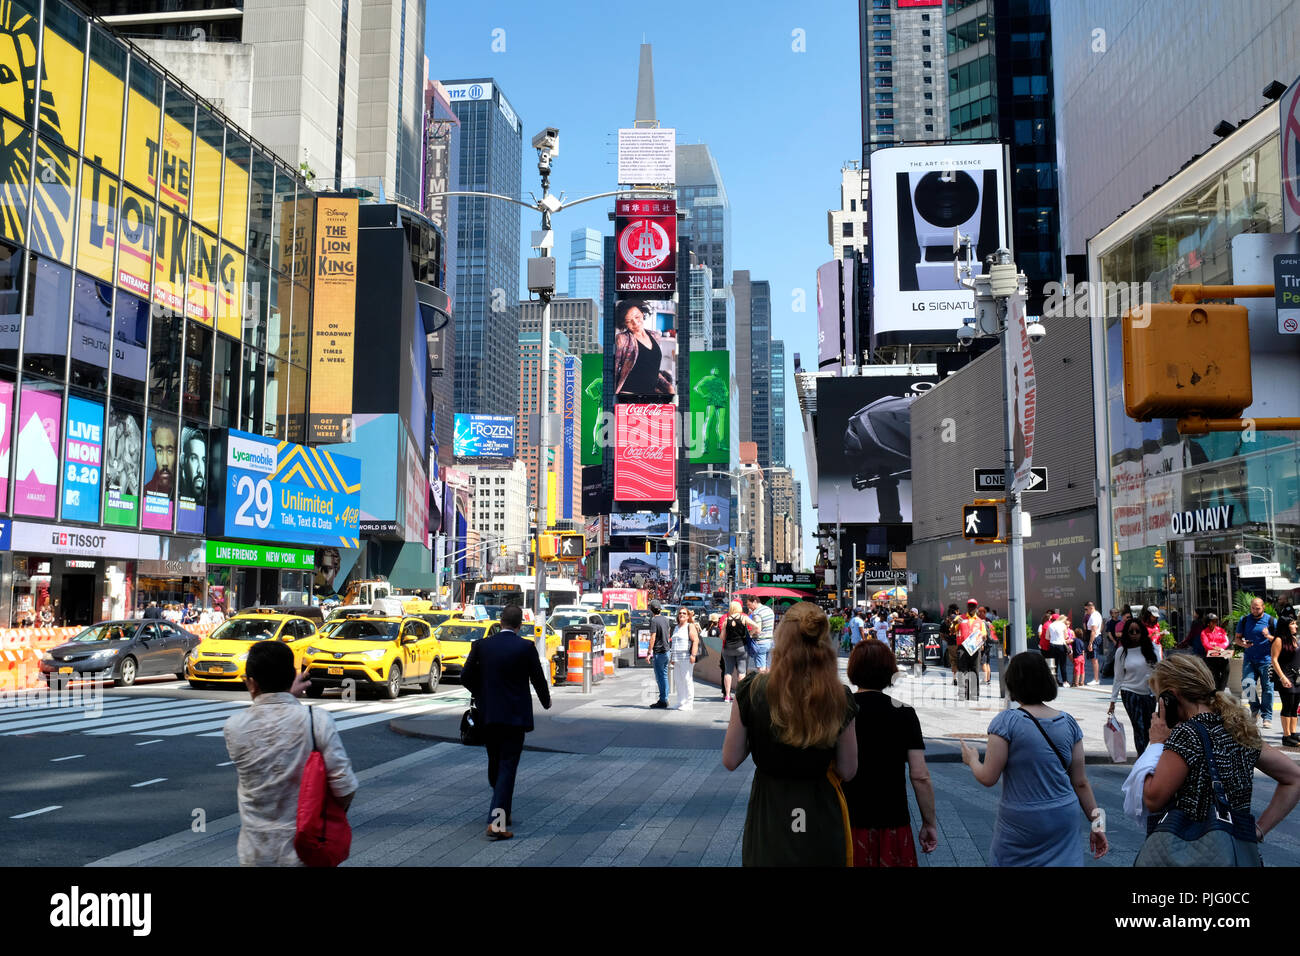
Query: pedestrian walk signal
x=979 y=522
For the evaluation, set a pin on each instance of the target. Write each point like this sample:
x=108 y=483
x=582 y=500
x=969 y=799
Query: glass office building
x=149 y=295
x=1186 y=512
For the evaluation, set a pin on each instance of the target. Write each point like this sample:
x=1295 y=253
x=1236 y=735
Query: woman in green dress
x=797 y=723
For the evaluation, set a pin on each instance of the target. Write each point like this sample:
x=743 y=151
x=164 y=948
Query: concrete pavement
x=608 y=782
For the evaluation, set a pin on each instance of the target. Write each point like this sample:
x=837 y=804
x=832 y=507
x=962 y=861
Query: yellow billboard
x=201 y=287
x=97 y=233
x=333 y=320
x=230 y=294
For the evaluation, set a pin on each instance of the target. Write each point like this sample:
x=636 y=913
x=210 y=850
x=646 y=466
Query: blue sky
x=779 y=122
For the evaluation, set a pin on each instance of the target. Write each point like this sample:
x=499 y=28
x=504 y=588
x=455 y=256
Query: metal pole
x=1016 y=564
x=839 y=552
x=854 y=575
x=544 y=436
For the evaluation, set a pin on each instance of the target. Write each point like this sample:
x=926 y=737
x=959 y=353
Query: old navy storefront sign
x=1218 y=518
x=286 y=493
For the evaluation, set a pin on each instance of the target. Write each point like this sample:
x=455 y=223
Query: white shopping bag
x=1116 y=745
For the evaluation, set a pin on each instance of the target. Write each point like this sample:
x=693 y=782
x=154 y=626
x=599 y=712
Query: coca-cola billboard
x=645 y=466
x=646 y=230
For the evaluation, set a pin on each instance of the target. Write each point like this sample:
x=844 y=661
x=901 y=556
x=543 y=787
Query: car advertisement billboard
x=83 y=460
x=287 y=493
x=645 y=257
x=629 y=564
x=642 y=523
x=645 y=348
x=919 y=195
x=593 y=383
x=711 y=407
x=864 y=447
x=483 y=436
x=36 y=487
x=645 y=466
x=333 y=319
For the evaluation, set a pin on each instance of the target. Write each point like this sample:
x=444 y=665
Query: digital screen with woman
x=645 y=348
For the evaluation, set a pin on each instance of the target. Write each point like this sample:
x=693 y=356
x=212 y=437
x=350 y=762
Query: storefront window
x=92 y=311
x=197 y=389
x=49 y=295
x=225 y=381
x=11 y=290
x=165 y=364
x=130 y=339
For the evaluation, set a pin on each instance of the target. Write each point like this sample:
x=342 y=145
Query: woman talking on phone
x=1208 y=738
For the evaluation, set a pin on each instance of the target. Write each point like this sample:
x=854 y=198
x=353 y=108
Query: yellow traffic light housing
x=1183 y=359
x=549 y=544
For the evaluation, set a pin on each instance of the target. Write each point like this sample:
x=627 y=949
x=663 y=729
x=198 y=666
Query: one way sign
x=994 y=479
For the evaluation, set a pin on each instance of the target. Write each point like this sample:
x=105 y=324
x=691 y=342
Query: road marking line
x=228 y=763
x=33 y=813
x=72 y=757
x=148 y=782
x=146 y=743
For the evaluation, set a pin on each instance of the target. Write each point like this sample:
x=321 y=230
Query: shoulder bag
x=324 y=836
x=1065 y=764
x=1224 y=838
x=471 y=734
x=701 y=649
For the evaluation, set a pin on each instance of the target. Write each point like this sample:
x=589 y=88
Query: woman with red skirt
x=889 y=739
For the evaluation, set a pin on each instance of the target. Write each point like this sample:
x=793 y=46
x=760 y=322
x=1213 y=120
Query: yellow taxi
x=618 y=627
x=386 y=653
x=220 y=658
x=457 y=635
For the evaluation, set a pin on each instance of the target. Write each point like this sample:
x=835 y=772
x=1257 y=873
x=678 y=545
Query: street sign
x=979 y=522
x=1286 y=293
x=994 y=479
x=1272 y=570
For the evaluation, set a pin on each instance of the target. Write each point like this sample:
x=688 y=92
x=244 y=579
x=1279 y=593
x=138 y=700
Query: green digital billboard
x=710 y=438
x=593 y=383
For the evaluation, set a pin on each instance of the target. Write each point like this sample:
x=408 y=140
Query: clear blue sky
x=780 y=123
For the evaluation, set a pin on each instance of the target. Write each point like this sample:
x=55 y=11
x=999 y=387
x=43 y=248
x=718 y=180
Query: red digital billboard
x=646 y=256
x=645 y=464
x=904 y=4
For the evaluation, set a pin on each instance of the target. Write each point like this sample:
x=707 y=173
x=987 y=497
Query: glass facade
x=587 y=269
x=487 y=257
x=1247 y=481
x=144 y=293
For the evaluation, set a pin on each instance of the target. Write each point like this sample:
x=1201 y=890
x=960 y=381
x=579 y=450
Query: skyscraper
x=699 y=304
x=753 y=360
x=702 y=195
x=487 y=252
x=587 y=269
x=296 y=73
x=904 y=82
x=777 y=378
x=576 y=318
x=1000 y=87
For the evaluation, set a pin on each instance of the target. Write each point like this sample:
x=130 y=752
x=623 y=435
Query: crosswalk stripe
x=8 y=715
x=154 y=723
x=171 y=710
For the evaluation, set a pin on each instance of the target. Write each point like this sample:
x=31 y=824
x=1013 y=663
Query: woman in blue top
x=1038 y=754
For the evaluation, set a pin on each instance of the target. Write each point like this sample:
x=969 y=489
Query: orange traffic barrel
x=610 y=661
x=577 y=648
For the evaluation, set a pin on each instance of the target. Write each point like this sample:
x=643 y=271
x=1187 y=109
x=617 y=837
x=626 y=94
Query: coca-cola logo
x=647 y=453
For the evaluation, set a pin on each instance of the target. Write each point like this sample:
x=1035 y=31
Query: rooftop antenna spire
x=645 y=90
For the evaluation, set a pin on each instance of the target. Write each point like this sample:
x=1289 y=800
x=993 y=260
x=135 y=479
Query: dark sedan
x=120 y=651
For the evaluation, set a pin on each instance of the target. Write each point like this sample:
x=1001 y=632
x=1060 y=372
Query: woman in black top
x=638 y=356
x=889 y=738
x=1182 y=778
x=1286 y=665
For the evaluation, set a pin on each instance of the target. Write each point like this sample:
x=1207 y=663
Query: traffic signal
x=1159 y=558
x=979 y=522
x=647 y=545
x=862 y=568
x=1186 y=359
x=550 y=544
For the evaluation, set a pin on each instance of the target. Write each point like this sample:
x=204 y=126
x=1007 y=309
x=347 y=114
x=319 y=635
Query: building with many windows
x=498 y=516
x=703 y=197
x=564 y=482
x=587 y=271
x=487 y=248
x=753 y=362
x=848 y=229
x=576 y=318
x=901 y=46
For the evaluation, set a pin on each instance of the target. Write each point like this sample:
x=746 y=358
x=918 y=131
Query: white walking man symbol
x=973 y=522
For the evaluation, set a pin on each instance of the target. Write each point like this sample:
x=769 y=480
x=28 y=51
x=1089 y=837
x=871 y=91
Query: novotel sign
x=1218 y=518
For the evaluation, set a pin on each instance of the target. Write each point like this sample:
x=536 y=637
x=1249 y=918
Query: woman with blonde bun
x=797 y=723
x=1182 y=780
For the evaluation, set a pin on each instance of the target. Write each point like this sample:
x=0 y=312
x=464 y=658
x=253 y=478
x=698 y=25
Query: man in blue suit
x=497 y=672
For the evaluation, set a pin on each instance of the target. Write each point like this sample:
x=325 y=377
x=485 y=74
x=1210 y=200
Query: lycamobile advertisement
x=278 y=491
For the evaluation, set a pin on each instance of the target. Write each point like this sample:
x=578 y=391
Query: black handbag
x=1224 y=838
x=471 y=733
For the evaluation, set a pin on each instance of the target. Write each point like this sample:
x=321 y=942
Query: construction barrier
x=577 y=648
x=611 y=661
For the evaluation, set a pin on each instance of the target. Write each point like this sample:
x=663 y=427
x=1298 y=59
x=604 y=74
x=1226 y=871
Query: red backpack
x=324 y=836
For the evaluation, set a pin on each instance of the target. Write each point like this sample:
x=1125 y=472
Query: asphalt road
x=140 y=763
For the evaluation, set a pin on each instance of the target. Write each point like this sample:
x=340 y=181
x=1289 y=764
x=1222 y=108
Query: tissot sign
x=646 y=257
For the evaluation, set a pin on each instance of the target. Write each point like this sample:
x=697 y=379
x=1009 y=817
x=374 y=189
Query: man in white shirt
x=1056 y=634
x=1095 y=645
x=269 y=744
